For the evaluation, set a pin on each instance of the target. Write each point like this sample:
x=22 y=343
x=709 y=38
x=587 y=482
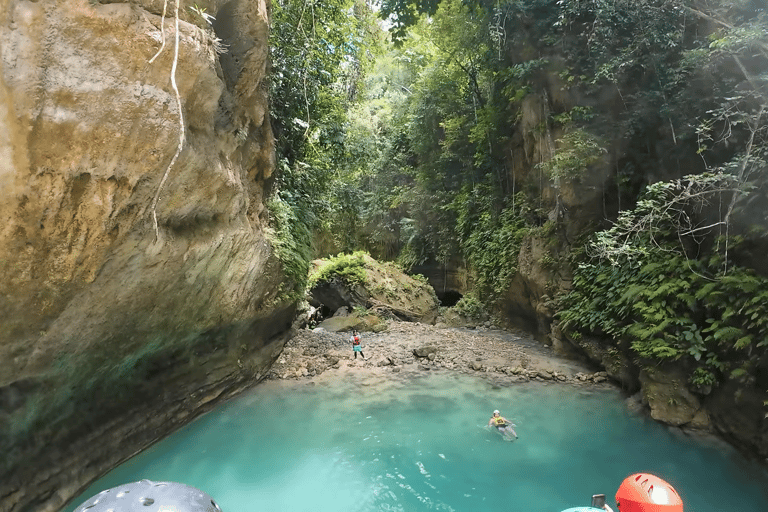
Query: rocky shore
x=407 y=347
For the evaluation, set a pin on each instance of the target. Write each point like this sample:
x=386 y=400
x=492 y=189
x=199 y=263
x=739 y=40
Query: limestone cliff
x=113 y=333
x=735 y=409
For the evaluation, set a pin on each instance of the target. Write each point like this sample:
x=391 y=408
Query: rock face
x=450 y=280
x=734 y=409
x=105 y=319
x=667 y=395
x=524 y=302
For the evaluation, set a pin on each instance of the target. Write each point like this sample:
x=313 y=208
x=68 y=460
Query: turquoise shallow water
x=421 y=444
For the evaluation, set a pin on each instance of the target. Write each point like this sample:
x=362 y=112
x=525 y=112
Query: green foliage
x=703 y=377
x=432 y=180
x=471 y=308
x=668 y=306
x=547 y=260
x=665 y=213
x=421 y=158
x=402 y=14
x=573 y=116
x=420 y=278
x=491 y=247
x=290 y=238
x=576 y=151
x=350 y=268
x=320 y=51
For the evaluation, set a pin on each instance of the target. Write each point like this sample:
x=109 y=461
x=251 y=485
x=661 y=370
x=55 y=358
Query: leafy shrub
x=577 y=150
x=350 y=268
x=470 y=308
x=643 y=289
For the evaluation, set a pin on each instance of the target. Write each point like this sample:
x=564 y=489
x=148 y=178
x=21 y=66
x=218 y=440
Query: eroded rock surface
x=106 y=320
x=408 y=347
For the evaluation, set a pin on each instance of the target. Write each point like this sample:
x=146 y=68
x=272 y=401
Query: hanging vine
x=182 y=131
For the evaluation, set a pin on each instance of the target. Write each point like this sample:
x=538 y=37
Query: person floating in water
x=502 y=424
x=356 y=347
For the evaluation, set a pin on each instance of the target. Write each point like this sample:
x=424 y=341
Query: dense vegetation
x=320 y=52
x=426 y=151
x=643 y=287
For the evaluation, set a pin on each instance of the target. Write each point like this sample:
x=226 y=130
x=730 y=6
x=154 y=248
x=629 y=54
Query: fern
x=743 y=342
x=669 y=308
x=705 y=291
x=727 y=333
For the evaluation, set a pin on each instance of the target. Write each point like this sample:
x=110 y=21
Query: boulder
x=346 y=323
x=387 y=290
x=669 y=399
x=424 y=351
x=342 y=324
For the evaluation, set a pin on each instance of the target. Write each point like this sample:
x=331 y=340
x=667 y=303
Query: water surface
x=360 y=444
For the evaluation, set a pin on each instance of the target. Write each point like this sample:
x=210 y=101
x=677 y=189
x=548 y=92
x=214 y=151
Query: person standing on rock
x=356 y=346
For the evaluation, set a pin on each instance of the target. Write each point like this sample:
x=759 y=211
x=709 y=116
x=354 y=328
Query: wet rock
x=668 y=397
x=700 y=421
x=635 y=402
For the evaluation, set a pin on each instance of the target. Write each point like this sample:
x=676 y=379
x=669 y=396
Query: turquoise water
x=422 y=444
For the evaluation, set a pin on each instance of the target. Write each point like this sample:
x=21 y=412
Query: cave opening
x=449 y=298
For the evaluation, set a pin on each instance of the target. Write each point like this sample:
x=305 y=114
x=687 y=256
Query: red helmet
x=643 y=492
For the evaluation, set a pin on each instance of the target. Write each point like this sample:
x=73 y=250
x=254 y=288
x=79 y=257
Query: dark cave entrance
x=449 y=298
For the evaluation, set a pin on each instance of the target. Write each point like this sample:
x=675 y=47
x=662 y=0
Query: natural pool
x=359 y=444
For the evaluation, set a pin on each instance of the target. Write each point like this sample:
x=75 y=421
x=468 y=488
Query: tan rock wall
x=89 y=127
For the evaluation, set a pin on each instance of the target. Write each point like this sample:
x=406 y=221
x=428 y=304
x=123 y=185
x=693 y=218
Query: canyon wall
x=118 y=327
x=734 y=410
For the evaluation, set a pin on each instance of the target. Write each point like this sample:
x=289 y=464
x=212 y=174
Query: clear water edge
x=401 y=444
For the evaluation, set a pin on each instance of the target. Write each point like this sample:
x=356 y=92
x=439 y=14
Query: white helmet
x=496 y=412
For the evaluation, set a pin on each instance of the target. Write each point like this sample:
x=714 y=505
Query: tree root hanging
x=182 y=131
